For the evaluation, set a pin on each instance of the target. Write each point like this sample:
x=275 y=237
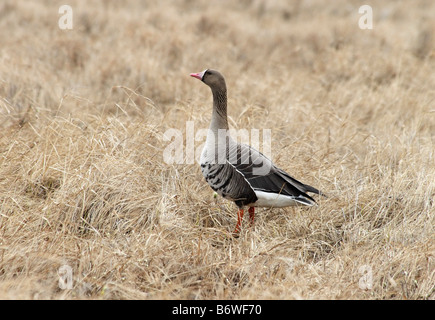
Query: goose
x=240 y=173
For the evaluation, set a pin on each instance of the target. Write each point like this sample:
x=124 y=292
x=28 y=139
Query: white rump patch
x=269 y=199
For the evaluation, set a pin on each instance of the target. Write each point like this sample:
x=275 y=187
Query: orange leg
x=239 y=221
x=251 y=215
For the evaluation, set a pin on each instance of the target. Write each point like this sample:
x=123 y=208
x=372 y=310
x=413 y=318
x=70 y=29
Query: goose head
x=212 y=78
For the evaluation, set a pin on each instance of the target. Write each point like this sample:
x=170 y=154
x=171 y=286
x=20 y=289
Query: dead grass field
x=82 y=177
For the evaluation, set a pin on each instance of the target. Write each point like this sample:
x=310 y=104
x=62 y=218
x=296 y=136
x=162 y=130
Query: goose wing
x=262 y=175
x=225 y=179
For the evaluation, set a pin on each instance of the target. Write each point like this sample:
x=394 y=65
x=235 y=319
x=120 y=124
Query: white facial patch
x=201 y=74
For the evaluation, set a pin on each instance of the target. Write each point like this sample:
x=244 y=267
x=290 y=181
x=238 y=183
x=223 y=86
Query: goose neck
x=219 y=117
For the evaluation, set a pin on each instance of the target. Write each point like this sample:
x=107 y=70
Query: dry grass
x=82 y=177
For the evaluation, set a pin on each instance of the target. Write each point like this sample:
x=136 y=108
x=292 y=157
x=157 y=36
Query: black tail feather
x=314 y=190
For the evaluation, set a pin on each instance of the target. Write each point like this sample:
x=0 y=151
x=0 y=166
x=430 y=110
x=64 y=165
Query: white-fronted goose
x=237 y=171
